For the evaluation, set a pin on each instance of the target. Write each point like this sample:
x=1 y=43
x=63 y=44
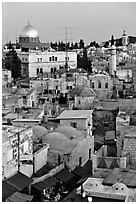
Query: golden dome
x=29 y=31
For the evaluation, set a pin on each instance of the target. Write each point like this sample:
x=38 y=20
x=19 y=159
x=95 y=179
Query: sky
x=91 y=21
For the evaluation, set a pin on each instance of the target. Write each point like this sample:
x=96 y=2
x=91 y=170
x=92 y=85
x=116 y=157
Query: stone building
x=10 y=147
x=38 y=58
x=104 y=122
x=69 y=146
x=6 y=77
x=126 y=142
x=29 y=97
x=102 y=84
x=83 y=97
x=79 y=119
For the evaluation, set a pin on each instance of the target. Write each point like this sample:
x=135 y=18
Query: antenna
x=66 y=49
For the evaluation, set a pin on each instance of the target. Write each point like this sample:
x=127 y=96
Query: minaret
x=124 y=38
x=113 y=58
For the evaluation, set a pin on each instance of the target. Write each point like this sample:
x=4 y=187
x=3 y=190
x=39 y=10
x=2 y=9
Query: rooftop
x=69 y=131
x=82 y=91
x=118 y=191
x=75 y=114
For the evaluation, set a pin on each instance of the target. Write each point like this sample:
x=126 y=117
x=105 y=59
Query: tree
x=13 y=63
x=81 y=44
x=84 y=62
x=112 y=40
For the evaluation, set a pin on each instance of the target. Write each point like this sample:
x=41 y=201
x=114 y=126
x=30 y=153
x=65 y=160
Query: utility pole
x=66 y=48
x=66 y=56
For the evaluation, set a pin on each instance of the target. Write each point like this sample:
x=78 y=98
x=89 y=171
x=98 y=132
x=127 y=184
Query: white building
x=37 y=58
x=6 y=77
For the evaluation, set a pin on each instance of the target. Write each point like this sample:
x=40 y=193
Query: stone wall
x=130 y=147
x=72 y=159
x=40 y=158
x=103 y=121
x=101 y=160
x=50 y=173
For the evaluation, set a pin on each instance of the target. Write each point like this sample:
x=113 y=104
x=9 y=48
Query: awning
x=19 y=181
x=47 y=183
x=84 y=170
x=19 y=197
x=7 y=190
x=64 y=175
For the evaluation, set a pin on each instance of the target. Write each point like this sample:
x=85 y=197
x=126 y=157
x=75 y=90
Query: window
x=106 y=85
x=15 y=153
x=37 y=71
x=41 y=70
x=55 y=58
x=37 y=59
x=58 y=159
x=74 y=125
x=67 y=58
x=22 y=59
x=53 y=100
x=92 y=85
x=99 y=85
x=67 y=87
x=51 y=70
x=26 y=59
x=90 y=151
x=56 y=87
x=24 y=97
x=80 y=161
x=70 y=87
x=50 y=91
x=50 y=59
x=54 y=70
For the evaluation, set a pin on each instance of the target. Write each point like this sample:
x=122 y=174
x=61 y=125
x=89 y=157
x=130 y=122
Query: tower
x=113 y=60
x=124 y=38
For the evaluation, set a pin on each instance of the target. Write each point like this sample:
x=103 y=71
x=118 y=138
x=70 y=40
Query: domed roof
x=58 y=142
x=39 y=132
x=68 y=131
x=82 y=91
x=29 y=31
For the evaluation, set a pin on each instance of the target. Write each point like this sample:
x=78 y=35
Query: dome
x=58 y=142
x=29 y=31
x=82 y=91
x=68 y=131
x=39 y=132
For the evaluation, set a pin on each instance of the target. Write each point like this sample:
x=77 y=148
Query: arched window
x=51 y=70
x=41 y=70
x=52 y=58
x=106 y=85
x=37 y=71
x=99 y=85
x=92 y=85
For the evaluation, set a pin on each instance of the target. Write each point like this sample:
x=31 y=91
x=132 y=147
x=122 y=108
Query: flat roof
x=75 y=114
